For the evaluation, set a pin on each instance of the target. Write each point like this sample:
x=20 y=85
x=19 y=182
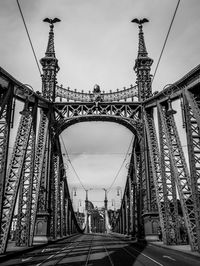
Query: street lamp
x=119 y=192
x=169 y=92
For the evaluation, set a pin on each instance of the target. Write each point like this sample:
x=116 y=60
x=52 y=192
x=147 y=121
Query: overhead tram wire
x=71 y=163
x=165 y=40
x=121 y=165
x=36 y=60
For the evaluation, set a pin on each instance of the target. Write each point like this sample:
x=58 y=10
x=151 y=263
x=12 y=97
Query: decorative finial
x=140 y=21
x=51 y=21
x=141 y=47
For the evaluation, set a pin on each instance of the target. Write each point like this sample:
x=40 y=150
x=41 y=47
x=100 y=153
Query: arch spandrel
x=127 y=114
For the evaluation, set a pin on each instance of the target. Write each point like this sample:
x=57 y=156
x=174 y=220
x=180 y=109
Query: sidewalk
x=182 y=248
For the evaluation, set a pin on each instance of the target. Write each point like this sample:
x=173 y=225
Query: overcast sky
x=96 y=43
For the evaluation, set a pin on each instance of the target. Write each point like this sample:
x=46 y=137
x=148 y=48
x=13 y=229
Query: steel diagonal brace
x=169 y=187
x=194 y=106
x=155 y=163
x=5 y=118
x=181 y=174
x=193 y=137
x=39 y=158
x=13 y=177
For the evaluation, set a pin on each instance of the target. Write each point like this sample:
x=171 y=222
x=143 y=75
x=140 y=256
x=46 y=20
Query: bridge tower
x=148 y=202
x=49 y=159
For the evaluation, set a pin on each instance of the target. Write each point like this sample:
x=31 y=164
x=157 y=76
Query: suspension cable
x=121 y=164
x=36 y=60
x=165 y=40
x=71 y=163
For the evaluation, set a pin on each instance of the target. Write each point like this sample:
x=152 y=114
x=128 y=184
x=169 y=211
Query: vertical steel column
x=6 y=98
x=126 y=213
x=62 y=209
x=14 y=176
x=26 y=188
x=38 y=170
x=139 y=195
x=131 y=200
x=123 y=218
x=169 y=186
x=135 y=194
x=54 y=185
x=192 y=120
x=182 y=176
x=66 y=217
x=155 y=164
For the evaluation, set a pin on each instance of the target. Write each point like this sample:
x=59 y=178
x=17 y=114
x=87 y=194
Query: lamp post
x=106 y=210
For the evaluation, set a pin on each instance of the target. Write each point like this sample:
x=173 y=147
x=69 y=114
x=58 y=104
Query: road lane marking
x=47 y=249
x=168 y=257
x=26 y=259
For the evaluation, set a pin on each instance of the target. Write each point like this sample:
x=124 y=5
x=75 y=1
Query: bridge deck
x=101 y=249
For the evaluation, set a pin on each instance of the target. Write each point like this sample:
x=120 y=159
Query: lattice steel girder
x=39 y=160
x=156 y=167
x=14 y=176
x=169 y=186
x=188 y=81
x=62 y=209
x=43 y=203
x=69 y=110
x=144 y=174
x=5 y=119
x=26 y=187
x=193 y=138
x=138 y=200
x=182 y=176
x=54 y=195
x=194 y=105
x=25 y=193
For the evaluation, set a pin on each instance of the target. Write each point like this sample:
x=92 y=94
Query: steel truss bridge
x=33 y=178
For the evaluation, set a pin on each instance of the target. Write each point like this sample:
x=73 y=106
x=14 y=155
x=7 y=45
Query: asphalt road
x=102 y=250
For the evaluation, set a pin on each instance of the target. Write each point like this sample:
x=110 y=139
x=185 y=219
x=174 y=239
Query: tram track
x=64 y=249
x=109 y=257
x=104 y=249
x=89 y=252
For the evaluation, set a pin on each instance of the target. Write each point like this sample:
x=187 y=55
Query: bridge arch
x=59 y=128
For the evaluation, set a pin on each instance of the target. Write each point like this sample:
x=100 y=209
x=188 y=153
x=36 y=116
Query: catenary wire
x=72 y=164
x=165 y=40
x=117 y=171
x=29 y=37
x=121 y=165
